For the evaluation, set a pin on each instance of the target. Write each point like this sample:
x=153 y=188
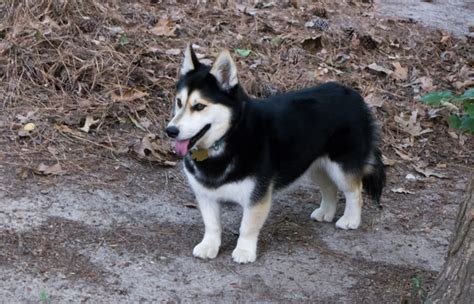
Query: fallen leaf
x=379 y=70
x=402 y=190
x=374 y=100
x=53 y=150
x=164 y=27
x=173 y=52
x=243 y=52
x=191 y=205
x=150 y=149
x=426 y=83
x=403 y=155
x=137 y=124
x=428 y=172
x=128 y=95
x=49 y=170
x=312 y=44
x=88 y=123
x=411 y=126
x=22 y=172
x=400 y=72
x=66 y=129
x=387 y=161
x=29 y=127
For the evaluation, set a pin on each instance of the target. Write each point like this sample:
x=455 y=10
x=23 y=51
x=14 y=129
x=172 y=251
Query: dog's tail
x=374 y=177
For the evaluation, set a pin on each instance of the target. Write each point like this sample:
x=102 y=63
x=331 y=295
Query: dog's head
x=205 y=103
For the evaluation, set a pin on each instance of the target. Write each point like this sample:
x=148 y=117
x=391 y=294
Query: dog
x=240 y=149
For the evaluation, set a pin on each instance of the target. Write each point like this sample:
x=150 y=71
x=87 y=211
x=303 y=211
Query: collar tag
x=200 y=154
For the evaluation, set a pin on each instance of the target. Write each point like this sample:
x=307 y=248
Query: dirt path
x=132 y=242
x=453 y=15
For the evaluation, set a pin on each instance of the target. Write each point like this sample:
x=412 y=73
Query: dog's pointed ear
x=190 y=61
x=225 y=71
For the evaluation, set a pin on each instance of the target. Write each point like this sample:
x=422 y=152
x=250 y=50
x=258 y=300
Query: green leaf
x=454 y=121
x=243 y=52
x=466 y=98
x=435 y=98
x=123 y=40
x=467 y=123
x=43 y=296
x=470 y=109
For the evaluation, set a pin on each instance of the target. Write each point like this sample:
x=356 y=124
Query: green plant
x=461 y=107
x=43 y=297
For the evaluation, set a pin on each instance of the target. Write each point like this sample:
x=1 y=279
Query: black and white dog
x=240 y=149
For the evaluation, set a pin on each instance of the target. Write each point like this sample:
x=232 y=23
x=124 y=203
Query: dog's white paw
x=323 y=214
x=244 y=256
x=348 y=222
x=206 y=250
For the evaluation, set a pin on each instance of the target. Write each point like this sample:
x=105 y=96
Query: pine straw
x=65 y=60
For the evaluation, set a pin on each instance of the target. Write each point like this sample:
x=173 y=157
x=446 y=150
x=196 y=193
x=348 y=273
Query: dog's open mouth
x=182 y=146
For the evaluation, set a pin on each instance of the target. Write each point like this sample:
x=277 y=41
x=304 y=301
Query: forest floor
x=93 y=203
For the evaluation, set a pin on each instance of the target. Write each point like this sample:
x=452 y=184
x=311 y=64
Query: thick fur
x=326 y=131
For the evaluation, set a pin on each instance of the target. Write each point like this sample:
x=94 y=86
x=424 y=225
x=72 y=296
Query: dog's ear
x=190 y=61
x=225 y=71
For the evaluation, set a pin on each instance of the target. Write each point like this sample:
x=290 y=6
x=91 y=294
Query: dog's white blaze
x=190 y=122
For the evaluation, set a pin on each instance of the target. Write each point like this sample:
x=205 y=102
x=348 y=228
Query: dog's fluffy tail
x=374 y=180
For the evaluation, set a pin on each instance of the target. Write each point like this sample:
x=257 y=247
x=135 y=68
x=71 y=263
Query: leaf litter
x=81 y=64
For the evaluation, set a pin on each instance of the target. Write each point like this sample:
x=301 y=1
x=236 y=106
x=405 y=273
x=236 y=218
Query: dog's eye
x=199 y=107
x=178 y=102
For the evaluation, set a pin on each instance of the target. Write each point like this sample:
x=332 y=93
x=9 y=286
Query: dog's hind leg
x=209 y=246
x=351 y=186
x=252 y=221
x=327 y=208
x=352 y=212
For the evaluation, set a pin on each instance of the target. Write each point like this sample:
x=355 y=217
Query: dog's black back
x=278 y=138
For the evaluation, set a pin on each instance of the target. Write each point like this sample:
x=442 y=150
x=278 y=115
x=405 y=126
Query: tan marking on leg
x=252 y=221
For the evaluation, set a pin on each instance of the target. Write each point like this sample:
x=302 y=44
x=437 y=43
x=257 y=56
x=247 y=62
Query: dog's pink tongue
x=181 y=147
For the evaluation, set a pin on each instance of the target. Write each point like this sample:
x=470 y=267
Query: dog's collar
x=203 y=154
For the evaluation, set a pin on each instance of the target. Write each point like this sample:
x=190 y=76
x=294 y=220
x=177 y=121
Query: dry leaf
x=164 y=27
x=173 y=52
x=88 y=123
x=128 y=95
x=53 y=150
x=402 y=190
x=403 y=155
x=379 y=70
x=312 y=44
x=428 y=172
x=29 y=127
x=374 y=100
x=411 y=126
x=400 y=73
x=49 y=170
x=149 y=148
x=387 y=161
x=66 y=129
x=426 y=83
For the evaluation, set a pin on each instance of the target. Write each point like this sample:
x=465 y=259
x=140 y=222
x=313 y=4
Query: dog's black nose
x=172 y=131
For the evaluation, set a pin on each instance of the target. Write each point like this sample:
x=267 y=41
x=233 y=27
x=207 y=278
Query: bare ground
x=113 y=226
x=133 y=242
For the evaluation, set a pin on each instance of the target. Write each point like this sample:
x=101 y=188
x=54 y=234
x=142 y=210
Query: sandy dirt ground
x=107 y=227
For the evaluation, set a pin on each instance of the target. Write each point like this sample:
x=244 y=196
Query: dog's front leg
x=211 y=214
x=252 y=221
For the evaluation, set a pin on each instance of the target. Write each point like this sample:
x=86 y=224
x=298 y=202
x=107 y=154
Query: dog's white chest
x=239 y=192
